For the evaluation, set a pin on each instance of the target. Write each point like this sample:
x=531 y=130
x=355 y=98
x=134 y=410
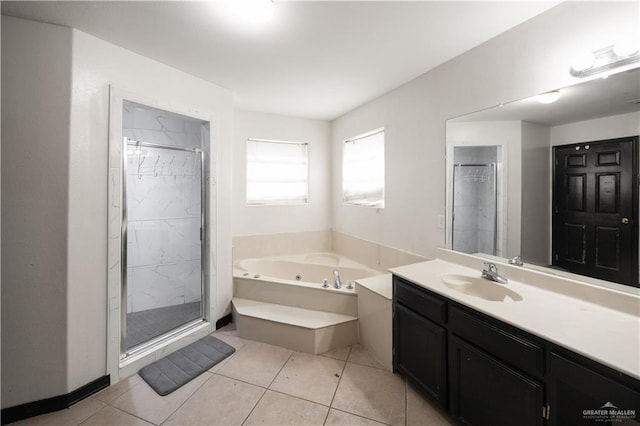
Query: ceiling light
x=549 y=97
x=626 y=47
x=606 y=59
x=251 y=11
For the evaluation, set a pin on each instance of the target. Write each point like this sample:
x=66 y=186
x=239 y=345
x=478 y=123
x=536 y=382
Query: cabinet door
x=486 y=392
x=419 y=352
x=581 y=396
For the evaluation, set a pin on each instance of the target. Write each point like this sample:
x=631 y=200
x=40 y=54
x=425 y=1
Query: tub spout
x=336 y=279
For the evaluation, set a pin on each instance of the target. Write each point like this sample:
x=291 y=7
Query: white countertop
x=596 y=330
x=380 y=284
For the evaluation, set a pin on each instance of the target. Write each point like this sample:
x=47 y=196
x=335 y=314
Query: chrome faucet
x=336 y=279
x=516 y=261
x=490 y=272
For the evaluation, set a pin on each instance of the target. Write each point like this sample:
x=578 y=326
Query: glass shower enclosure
x=163 y=248
x=475 y=199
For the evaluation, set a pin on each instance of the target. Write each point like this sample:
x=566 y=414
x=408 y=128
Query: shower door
x=475 y=208
x=163 y=225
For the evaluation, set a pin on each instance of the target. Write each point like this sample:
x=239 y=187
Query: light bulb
x=549 y=97
x=583 y=61
x=626 y=47
x=251 y=11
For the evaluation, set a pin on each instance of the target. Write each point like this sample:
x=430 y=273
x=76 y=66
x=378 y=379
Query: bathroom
x=61 y=327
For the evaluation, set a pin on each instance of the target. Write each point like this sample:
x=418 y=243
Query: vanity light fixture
x=548 y=97
x=624 y=53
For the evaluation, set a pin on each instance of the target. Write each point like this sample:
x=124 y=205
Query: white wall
x=536 y=194
x=96 y=65
x=256 y=220
x=531 y=58
x=55 y=155
x=35 y=163
x=616 y=126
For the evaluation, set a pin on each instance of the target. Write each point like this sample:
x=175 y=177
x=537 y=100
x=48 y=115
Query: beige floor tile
x=74 y=415
x=278 y=409
x=112 y=416
x=309 y=377
x=219 y=365
x=221 y=401
x=340 y=418
x=144 y=402
x=360 y=355
x=256 y=363
x=232 y=340
x=112 y=392
x=340 y=353
x=421 y=412
x=372 y=393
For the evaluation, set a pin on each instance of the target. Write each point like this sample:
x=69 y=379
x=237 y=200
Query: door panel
x=484 y=391
x=576 y=192
x=420 y=352
x=595 y=221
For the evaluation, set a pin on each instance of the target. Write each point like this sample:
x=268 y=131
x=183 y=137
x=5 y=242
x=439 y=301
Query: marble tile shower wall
x=474 y=201
x=163 y=211
x=160 y=127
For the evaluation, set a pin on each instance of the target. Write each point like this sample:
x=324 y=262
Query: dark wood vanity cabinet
x=486 y=372
x=485 y=391
x=420 y=344
x=581 y=394
x=494 y=373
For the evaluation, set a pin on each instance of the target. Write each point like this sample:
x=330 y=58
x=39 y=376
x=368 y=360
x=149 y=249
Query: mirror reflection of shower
x=163 y=224
x=475 y=199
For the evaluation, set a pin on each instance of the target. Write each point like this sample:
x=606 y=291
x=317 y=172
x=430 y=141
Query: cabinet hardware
x=546 y=412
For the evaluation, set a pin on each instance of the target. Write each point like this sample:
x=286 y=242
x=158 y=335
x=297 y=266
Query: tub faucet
x=490 y=272
x=516 y=261
x=336 y=279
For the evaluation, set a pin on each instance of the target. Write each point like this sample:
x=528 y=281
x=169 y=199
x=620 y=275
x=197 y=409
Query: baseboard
x=56 y=403
x=223 y=321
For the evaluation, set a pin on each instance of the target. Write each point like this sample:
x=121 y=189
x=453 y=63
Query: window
x=277 y=172
x=363 y=170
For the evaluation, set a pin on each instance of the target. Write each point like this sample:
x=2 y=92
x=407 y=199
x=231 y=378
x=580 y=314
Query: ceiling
x=314 y=59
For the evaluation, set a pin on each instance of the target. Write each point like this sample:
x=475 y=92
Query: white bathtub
x=303 y=269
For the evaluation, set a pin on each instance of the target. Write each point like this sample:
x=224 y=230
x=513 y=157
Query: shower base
x=146 y=325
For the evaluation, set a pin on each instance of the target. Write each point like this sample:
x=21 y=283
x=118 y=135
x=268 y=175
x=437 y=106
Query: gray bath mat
x=171 y=372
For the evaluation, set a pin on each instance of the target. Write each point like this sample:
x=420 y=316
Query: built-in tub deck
x=281 y=300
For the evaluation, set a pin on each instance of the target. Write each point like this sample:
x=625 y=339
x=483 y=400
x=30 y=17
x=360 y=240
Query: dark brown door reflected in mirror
x=595 y=209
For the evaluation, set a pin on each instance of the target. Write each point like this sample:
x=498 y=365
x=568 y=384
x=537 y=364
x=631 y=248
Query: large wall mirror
x=532 y=179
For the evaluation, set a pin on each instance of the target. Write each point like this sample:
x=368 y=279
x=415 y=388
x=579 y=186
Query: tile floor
x=262 y=384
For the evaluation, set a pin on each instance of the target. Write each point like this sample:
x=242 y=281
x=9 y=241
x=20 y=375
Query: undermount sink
x=481 y=288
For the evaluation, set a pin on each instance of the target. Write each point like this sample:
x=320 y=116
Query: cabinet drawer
x=513 y=349
x=427 y=305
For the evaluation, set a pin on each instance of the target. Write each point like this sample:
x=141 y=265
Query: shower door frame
x=494 y=174
x=124 y=351
x=503 y=165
